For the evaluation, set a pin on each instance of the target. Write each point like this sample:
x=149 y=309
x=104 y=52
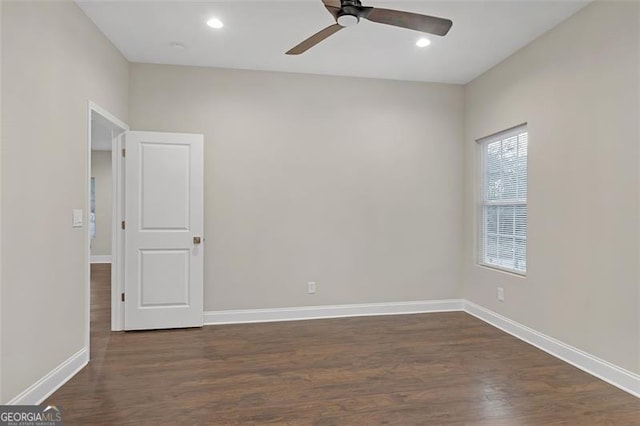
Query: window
x=503 y=210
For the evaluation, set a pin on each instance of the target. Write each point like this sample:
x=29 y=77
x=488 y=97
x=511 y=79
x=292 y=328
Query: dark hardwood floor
x=429 y=369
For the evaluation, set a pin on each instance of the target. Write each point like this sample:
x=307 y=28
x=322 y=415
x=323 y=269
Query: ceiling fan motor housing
x=346 y=19
x=350 y=13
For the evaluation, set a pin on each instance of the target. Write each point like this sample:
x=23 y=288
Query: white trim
x=604 y=370
x=516 y=272
x=332 y=311
x=503 y=134
x=51 y=382
x=116 y=313
x=104 y=258
x=117 y=234
x=106 y=114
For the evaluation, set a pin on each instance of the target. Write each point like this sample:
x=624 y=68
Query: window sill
x=508 y=271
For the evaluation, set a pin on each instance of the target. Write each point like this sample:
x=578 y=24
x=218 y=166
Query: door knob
x=197 y=240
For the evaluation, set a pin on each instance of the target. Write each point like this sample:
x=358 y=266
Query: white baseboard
x=102 y=258
x=604 y=370
x=43 y=388
x=610 y=373
x=332 y=311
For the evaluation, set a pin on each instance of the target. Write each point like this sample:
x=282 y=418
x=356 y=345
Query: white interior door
x=164 y=213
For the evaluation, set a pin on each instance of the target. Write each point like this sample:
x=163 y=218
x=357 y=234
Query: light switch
x=77 y=218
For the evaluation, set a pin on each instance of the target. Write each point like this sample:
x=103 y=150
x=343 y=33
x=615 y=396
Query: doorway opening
x=104 y=204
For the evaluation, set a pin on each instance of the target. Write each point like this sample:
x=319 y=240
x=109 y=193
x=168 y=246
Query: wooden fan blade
x=332 y=3
x=413 y=21
x=314 y=39
x=333 y=11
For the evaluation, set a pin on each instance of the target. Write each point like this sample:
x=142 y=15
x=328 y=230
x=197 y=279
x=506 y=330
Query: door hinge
x=123 y=225
x=124 y=152
x=122 y=297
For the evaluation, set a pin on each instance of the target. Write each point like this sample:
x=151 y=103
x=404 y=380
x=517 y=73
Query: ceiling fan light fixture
x=215 y=23
x=423 y=42
x=347 y=13
x=346 y=20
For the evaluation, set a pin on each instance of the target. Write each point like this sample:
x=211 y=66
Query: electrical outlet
x=500 y=294
x=311 y=287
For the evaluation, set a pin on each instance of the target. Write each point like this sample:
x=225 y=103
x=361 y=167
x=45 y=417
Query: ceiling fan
x=349 y=12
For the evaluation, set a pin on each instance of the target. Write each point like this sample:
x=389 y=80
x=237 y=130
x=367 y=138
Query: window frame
x=483 y=202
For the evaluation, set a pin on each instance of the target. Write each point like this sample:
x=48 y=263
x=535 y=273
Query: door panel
x=164 y=212
x=165 y=173
x=164 y=265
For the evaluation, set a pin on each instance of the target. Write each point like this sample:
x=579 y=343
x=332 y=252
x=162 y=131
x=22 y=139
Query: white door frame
x=117 y=194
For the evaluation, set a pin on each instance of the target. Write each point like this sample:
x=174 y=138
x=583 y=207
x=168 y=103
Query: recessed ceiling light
x=423 y=42
x=215 y=23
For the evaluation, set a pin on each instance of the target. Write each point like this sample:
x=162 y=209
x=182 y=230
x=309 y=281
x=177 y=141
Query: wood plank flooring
x=428 y=369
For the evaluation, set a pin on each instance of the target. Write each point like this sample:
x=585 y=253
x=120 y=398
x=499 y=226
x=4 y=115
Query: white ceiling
x=257 y=33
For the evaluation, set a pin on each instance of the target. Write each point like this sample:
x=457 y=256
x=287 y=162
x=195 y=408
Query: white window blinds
x=503 y=210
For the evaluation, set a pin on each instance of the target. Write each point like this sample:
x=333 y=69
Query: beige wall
x=352 y=183
x=53 y=61
x=101 y=171
x=577 y=87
